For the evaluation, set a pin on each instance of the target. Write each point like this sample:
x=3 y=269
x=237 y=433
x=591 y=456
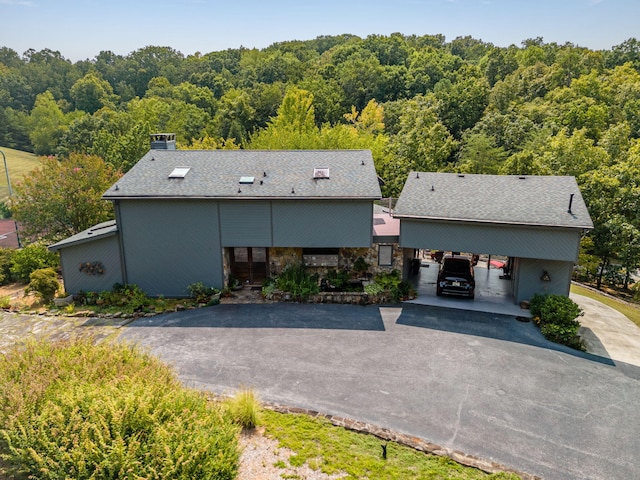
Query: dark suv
x=456 y=277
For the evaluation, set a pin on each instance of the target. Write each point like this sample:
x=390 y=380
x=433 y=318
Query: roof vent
x=179 y=172
x=320 y=173
x=460 y=175
x=247 y=180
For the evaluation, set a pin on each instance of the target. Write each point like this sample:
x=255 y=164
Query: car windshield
x=456 y=265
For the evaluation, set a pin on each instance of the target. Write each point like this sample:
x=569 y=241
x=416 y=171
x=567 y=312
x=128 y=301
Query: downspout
x=123 y=262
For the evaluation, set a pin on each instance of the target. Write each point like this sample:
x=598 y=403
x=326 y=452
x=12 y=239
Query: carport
x=536 y=221
x=493 y=290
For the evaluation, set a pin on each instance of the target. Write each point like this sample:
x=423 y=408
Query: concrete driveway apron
x=485 y=384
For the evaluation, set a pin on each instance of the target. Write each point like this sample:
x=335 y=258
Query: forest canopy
x=417 y=102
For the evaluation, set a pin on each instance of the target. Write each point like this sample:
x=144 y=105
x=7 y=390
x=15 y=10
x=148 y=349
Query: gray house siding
x=322 y=223
x=105 y=251
x=170 y=244
x=528 y=281
x=245 y=223
x=510 y=240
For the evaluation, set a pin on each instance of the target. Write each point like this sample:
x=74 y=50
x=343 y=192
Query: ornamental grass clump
x=245 y=409
x=78 y=410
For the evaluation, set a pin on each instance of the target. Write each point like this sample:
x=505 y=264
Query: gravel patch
x=263 y=459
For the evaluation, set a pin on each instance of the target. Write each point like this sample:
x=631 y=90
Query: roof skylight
x=321 y=173
x=179 y=172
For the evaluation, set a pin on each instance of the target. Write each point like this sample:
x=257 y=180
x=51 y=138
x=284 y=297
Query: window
x=320 y=257
x=385 y=255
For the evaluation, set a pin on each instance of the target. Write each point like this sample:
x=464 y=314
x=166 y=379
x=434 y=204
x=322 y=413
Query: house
x=185 y=216
x=536 y=221
x=220 y=216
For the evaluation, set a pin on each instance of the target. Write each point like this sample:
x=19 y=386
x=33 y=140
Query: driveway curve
x=488 y=385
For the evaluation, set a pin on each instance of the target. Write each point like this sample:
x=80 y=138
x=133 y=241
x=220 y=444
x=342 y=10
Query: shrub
x=373 y=289
x=6 y=260
x=31 y=258
x=44 y=283
x=556 y=315
x=535 y=304
x=296 y=280
x=5 y=302
x=201 y=293
x=132 y=295
x=338 y=279
x=78 y=410
x=560 y=310
x=360 y=266
x=393 y=285
x=244 y=409
x=5 y=211
x=268 y=287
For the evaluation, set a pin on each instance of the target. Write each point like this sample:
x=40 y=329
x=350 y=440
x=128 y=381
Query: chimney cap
x=163 y=141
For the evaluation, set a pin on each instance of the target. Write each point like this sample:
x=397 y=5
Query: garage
x=536 y=222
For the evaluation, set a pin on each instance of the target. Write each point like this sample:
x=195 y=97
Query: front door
x=249 y=264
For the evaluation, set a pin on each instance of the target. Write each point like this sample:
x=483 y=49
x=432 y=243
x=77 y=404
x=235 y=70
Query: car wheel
x=438 y=292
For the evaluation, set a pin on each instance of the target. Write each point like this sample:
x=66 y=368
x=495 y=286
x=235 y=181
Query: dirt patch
x=18 y=299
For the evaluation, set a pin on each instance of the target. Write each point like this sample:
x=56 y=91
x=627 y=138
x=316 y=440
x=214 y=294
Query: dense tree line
x=418 y=102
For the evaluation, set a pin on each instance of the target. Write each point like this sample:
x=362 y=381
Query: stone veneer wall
x=370 y=255
x=280 y=257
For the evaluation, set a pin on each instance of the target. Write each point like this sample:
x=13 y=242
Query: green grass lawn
x=332 y=449
x=630 y=311
x=18 y=163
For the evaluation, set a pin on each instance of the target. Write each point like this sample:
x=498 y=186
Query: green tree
x=63 y=197
x=422 y=141
x=233 y=117
x=479 y=154
x=294 y=126
x=573 y=154
x=46 y=124
x=91 y=93
x=31 y=258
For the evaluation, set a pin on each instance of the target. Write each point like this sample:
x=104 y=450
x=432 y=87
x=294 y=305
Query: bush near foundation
x=76 y=410
x=556 y=315
x=44 y=282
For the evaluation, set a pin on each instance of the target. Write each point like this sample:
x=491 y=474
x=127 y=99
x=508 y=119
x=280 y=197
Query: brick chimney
x=163 y=141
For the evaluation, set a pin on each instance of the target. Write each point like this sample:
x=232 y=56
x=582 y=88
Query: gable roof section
x=277 y=174
x=503 y=199
x=101 y=230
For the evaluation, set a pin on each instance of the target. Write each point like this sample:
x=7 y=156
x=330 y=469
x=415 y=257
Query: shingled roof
x=101 y=230
x=250 y=174
x=504 y=199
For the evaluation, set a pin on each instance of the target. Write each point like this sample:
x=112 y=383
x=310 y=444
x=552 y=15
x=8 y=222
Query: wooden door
x=249 y=264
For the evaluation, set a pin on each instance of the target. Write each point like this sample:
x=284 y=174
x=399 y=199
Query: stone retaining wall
x=350 y=298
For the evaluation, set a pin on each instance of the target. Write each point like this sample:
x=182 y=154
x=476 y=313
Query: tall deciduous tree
x=46 y=124
x=293 y=127
x=91 y=93
x=62 y=198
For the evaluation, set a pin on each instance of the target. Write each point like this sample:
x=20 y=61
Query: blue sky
x=80 y=29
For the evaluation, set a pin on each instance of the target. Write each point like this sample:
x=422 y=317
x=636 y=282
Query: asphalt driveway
x=488 y=385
